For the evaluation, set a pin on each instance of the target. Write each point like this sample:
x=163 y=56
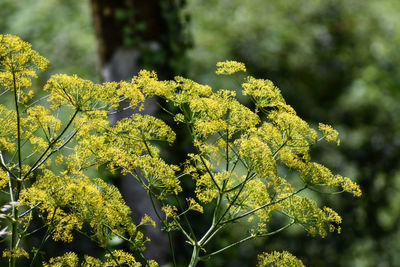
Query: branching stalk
x=39 y=160
x=252 y=236
x=263 y=206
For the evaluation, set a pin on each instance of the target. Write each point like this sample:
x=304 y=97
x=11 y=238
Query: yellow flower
x=170 y=211
x=18 y=64
x=193 y=205
x=15 y=253
x=230 y=67
x=330 y=134
x=147 y=220
x=278 y=259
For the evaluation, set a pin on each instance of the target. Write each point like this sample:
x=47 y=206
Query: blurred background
x=335 y=61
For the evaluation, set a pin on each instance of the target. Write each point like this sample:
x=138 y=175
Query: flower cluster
x=19 y=64
x=230 y=67
x=118 y=258
x=278 y=259
x=70 y=201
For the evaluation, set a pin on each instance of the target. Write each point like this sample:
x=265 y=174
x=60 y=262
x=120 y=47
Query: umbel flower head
x=19 y=64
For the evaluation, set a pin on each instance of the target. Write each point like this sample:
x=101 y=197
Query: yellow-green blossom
x=8 y=128
x=147 y=220
x=278 y=259
x=229 y=67
x=19 y=63
x=330 y=134
x=193 y=205
x=69 y=259
x=68 y=202
x=170 y=211
x=15 y=253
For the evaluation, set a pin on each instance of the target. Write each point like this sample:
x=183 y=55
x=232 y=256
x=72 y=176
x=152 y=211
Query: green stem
x=171 y=249
x=165 y=226
x=217 y=205
x=236 y=154
x=227 y=145
x=52 y=152
x=214 y=232
x=46 y=237
x=7 y=170
x=279 y=148
x=186 y=220
x=241 y=184
x=15 y=186
x=227 y=247
x=18 y=127
x=195 y=256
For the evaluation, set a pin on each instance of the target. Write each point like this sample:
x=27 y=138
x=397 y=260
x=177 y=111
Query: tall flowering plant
x=49 y=145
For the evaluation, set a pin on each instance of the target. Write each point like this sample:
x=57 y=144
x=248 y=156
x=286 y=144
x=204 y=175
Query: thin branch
x=279 y=148
x=236 y=154
x=18 y=127
x=48 y=233
x=29 y=210
x=52 y=152
x=215 y=226
x=172 y=249
x=328 y=193
x=14 y=189
x=236 y=197
x=5 y=91
x=264 y=206
x=206 y=257
x=241 y=184
x=186 y=219
x=112 y=256
x=39 y=160
x=2 y=164
x=209 y=172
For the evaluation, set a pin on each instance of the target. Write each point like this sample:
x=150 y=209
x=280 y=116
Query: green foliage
x=62 y=30
x=236 y=166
